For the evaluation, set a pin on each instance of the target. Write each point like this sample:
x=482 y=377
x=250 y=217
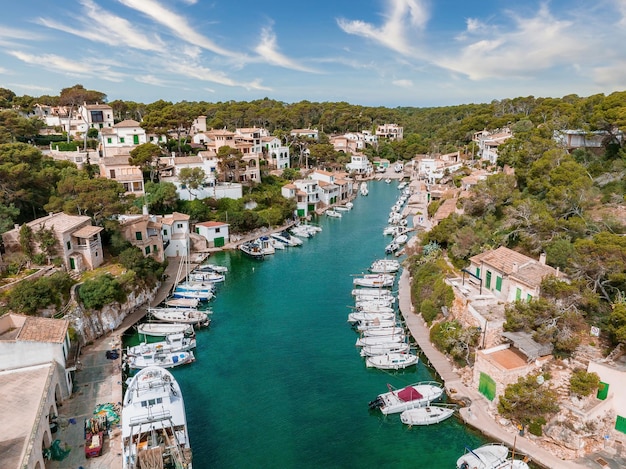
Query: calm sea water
x=278 y=381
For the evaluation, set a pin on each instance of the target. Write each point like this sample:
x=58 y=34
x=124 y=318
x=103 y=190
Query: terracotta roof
x=187 y=159
x=128 y=123
x=59 y=222
x=121 y=160
x=176 y=216
x=43 y=330
x=87 y=231
x=212 y=224
x=516 y=265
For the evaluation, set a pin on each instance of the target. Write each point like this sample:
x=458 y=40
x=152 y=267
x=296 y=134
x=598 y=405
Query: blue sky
x=369 y=52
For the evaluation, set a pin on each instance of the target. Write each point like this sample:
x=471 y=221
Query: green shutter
x=488 y=280
x=620 y=424
x=487 y=386
x=300 y=212
x=518 y=293
x=147 y=249
x=478 y=272
x=136 y=139
x=138 y=236
x=603 y=391
x=499 y=283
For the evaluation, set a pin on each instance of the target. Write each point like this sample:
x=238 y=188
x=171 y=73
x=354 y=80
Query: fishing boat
x=490 y=456
x=374 y=280
x=160 y=359
x=384 y=266
x=401 y=239
x=384 y=348
x=392 y=247
x=375 y=306
x=364 y=294
x=333 y=214
x=177 y=342
x=392 y=361
x=195 y=285
x=427 y=415
x=154 y=423
x=162 y=329
x=409 y=397
x=380 y=328
x=252 y=249
x=388 y=181
x=180 y=316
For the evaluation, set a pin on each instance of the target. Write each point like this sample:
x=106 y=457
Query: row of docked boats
x=267 y=245
x=397 y=223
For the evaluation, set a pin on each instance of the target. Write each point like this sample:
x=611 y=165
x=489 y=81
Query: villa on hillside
x=78 y=241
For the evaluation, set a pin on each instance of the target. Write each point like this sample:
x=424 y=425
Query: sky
x=389 y=53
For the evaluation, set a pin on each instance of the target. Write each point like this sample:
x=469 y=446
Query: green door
x=487 y=386
x=219 y=242
x=136 y=139
x=72 y=263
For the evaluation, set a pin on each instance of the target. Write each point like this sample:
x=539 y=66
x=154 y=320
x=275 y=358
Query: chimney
x=558 y=272
x=515 y=267
x=16 y=226
x=542 y=258
x=144 y=209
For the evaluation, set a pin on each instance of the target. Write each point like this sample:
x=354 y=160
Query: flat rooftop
x=21 y=392
x=508 y=359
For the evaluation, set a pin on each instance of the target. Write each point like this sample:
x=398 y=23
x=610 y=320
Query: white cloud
x=268 y=50
x=403 y=83
x=150 y=80
x=56 y=63
x=118 y=30
x=206 y=74
x=402 y=18
x=532 y=44
x=178 y=26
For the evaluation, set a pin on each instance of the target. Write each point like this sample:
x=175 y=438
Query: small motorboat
x=426 y=415
x=409 y=397
x=252 y=249
x=392 y=247
x=333 y=214
x=180 y=316
x=382 y=349
x=490 y=456
x=382 y=266
x=380 y=339
x=162 y=329
x=392 y=361
x=360 y=316
x=162 y=359
x=374 y=280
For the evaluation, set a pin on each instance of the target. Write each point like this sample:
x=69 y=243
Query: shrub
x=582 y=383
x=100 y=291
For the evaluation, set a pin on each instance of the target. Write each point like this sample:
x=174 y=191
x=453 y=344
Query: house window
x=147 y=249
x=121 y=139
x=529 y=297
x=112 y=173
x=164 y=232
x=478 y=272
x=179 y=225
x=488 y=279
x=136 y=139
x=109 y=140
x=137 y=186
x=97 y=116
x=498 y=283
x=154 y=248
x=217 y=230
x=138 y=236
x=69 y=245
x=518 y=293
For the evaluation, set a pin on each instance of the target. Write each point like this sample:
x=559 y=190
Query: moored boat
x=160 y=359
x=379 y=339
x=200 y=295
x=333 y=214
x=384 y=266
x=374 y=280
x=154 y=423
x=382 y=349
x=191 y=303
x=409 y=397
x=177 y=342
x=161 y=329
x=392 y=361
x=287 y=239
x=360 y=316
x=427 y=415
x=180 y=316
x=252 y=249
x=490 y=456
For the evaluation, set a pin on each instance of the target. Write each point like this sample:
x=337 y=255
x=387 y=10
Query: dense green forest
x=569 y=205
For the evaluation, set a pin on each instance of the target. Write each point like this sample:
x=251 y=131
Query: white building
x=276 y=153
x=175 y=232
x=215 y=232
x=390 y=131
x=359 y=164
x=122 y=138
x=488 y=143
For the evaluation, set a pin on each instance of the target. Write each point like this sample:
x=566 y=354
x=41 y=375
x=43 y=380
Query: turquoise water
x=278 y=381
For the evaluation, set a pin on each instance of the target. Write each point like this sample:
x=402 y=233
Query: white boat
x=409 y=397
x=286 y=238
x=182 y=303
x=342 y=208
x=381 y=266
x=374 y=280
x=379 y=339
x=209 y=277
x=161 y=329
x=154 y=424
x=388 y=181
x=381 y=349
x=401 y=239
x=427 y=415
x=180 y=316
x=376 y=324
x=161 y=359
x=490 y=456
x=190 y=294
x=363 y=294
x=402 y=185
x=360 y=316
x=266 y=245
x=220 y=269
x=252 y=249
x=277 y=244
x=178 y=342
x=349 y=205
x=375 y=305
x=363 y=188
x=392 y=361
x=382 y=330
x=333 y=214
x=392 y=247
x=195 y=285
x=297 y=230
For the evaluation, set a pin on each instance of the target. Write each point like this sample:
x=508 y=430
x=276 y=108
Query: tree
x=582 y=383
x=146 y=156
x=529 y=401
x=191 y=178
x=230 y=162
x=7 y=214
x=100 y=291
x=47 y=241
x=161 y=197
x=32 y=296
x=14 y=127
x=75 y=96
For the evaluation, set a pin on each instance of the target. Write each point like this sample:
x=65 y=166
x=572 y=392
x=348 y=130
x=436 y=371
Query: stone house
x=119 y=169
x=144 y=232
x=215 y=232
x=78 y=241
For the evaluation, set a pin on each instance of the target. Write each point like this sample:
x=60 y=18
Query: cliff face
x=91 y=324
